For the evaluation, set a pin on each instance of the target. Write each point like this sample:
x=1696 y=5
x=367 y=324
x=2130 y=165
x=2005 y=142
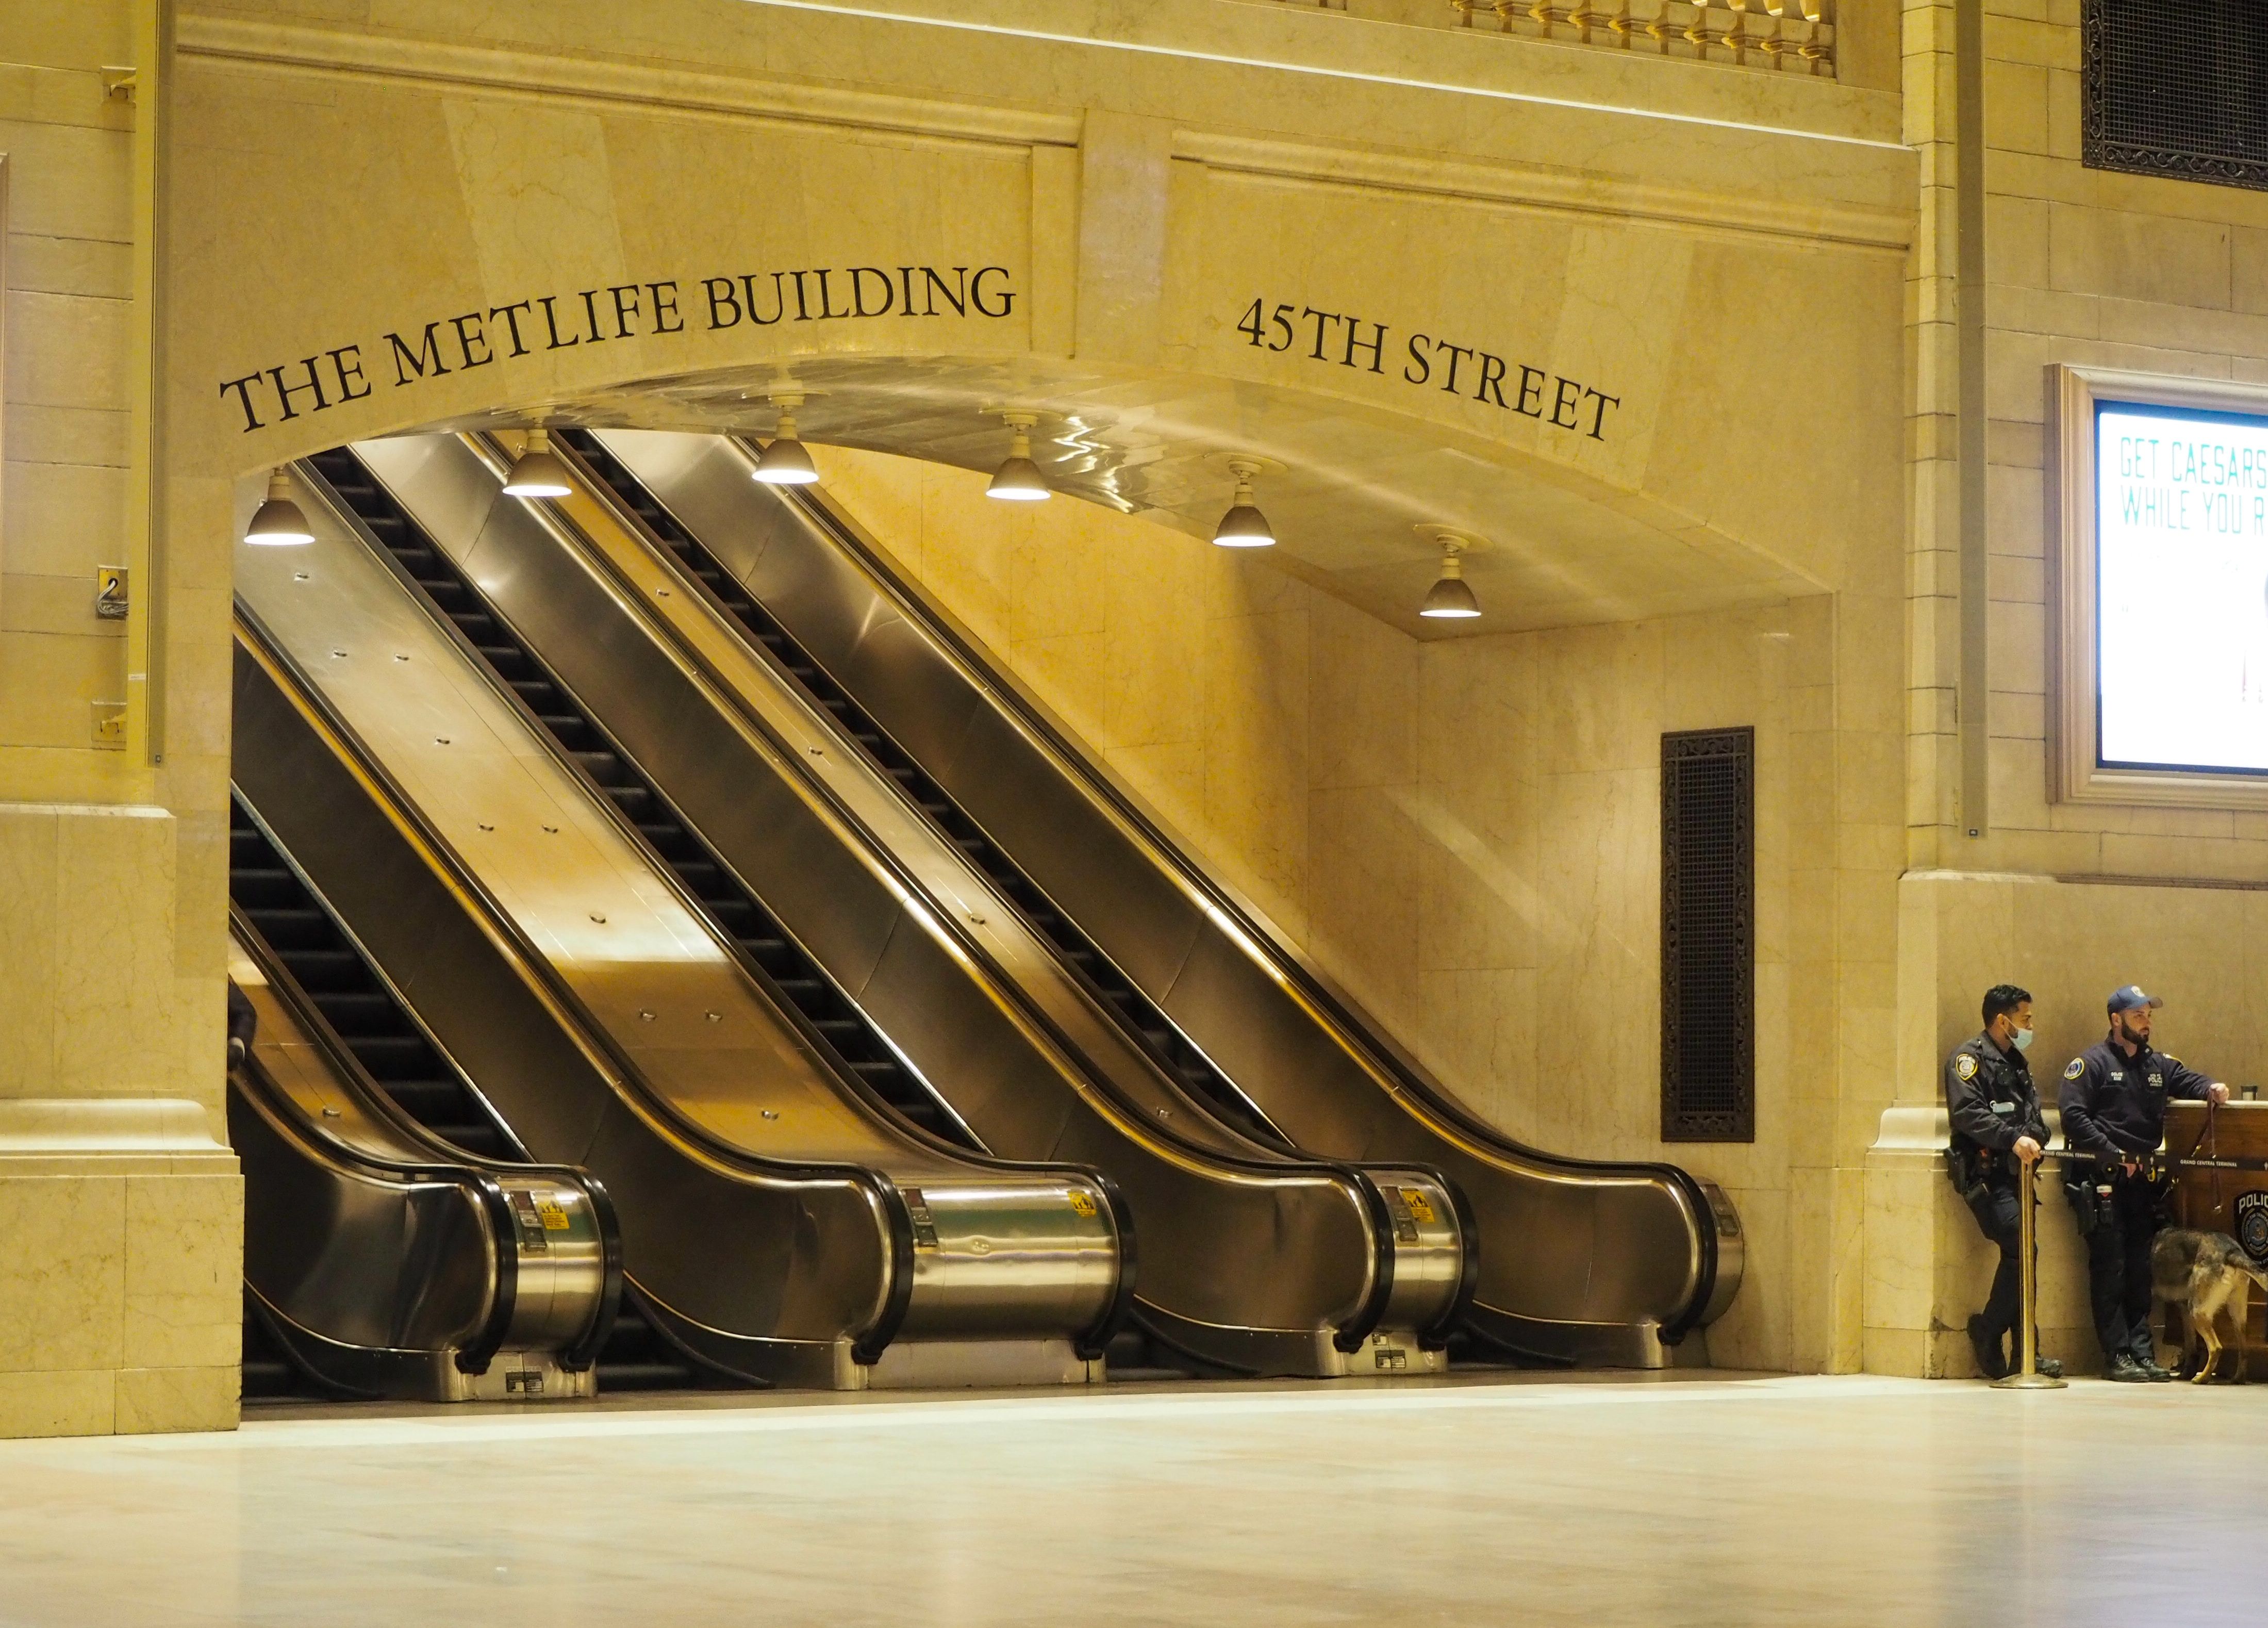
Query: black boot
x=1990 y=1362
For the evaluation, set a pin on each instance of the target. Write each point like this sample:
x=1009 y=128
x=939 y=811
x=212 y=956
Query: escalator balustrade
x=1583 y=1260
x=790 y=972
x=369 y=1020
x=1135 y=1013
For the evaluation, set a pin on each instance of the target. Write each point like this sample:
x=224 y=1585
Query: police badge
x=2252 y=1226
x=1965 y=1065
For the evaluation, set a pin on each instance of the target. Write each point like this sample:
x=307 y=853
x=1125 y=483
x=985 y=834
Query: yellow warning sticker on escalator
x=1080 y=1204
x=1421 y=1205
x=554 y=1214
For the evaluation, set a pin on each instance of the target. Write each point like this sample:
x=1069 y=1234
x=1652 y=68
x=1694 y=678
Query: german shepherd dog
x=2208 y=1276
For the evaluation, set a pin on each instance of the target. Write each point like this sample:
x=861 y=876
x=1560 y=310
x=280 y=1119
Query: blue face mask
x=2023 y=1038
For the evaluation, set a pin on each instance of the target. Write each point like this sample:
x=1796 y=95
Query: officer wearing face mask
x=1998 y=1132
x=2114 y=1111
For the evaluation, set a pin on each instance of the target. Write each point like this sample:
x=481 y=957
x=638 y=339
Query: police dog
x=2208 y=1276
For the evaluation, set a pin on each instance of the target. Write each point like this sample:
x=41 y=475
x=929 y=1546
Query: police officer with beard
x=1998 y=1132
x=2114 y=1113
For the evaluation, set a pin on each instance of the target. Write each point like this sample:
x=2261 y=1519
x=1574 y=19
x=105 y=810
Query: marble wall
x=1464 y=832
x=119 y=1205
x=2086 y=268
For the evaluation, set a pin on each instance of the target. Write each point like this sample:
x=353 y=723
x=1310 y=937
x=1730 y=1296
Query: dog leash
x=2209 y=1135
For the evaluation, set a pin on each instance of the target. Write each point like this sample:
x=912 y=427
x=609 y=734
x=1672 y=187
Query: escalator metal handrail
x=1354 y=1033
x=822 y=1050
x=260 y=1093
x=1355 y=1177
x=376 y=1101
x=567 y=1008
x=665 y=558
x=946 y=920
x=845 y=1080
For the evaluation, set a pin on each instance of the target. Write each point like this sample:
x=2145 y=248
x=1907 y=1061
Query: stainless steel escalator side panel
x=1282 y=1244
x=683 y=1039
x=566 y=1269
x=782 y=1268
x=382 y=1261
x=1593 y=1262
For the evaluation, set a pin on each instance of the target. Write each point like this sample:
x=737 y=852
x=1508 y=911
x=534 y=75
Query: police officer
x=1998 y=1132
x=2114 y=1111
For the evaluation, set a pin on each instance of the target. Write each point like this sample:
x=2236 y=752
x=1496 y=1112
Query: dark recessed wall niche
x=2177 y=88
x=1708 y=936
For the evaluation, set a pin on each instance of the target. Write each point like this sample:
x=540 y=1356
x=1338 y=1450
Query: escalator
x=1580 y=1261
x=380 y=1262
x=1256 y=1260
x=322 y=975
x=779 y=1221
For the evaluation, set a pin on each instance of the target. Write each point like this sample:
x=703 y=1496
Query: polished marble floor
x=1674 y=1503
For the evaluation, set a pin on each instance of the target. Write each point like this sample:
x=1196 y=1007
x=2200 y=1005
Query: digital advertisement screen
x=2182 y=587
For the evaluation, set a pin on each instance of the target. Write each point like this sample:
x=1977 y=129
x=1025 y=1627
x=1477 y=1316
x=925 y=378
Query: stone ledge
x=108 y=1136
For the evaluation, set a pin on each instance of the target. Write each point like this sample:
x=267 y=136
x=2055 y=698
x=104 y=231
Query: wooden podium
x=2220 y=1185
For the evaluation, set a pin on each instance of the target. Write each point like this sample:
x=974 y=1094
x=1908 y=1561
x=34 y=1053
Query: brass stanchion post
x=2027 y=1375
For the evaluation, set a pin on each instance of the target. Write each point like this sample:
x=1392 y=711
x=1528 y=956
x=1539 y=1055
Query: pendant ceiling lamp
x=1243 y=527
x=785 y=462
x=1019 y=480
x=537 y=472
x=1449 y=599
x=278 y=522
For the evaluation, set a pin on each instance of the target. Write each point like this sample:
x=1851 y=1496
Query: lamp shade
x=537 y=472
x=1449 y=599
x=1244 y=527
x=785 y=462
x=278 y=522
x=1019 y=480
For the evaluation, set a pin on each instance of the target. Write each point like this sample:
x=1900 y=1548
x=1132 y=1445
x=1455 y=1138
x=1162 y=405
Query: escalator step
x=425 y=1097
x=385 y=1054
x=359 y=1012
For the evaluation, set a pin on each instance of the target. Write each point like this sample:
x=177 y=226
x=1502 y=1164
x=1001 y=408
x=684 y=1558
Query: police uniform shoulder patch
x=1965 y=1065
x=2077 y=1067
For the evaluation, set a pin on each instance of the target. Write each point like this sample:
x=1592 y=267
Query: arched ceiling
x=1350 y=506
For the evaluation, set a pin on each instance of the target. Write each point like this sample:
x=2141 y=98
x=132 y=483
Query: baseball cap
x=2130 y=999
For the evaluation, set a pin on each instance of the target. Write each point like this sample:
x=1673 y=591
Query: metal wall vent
x=1708 y=936
x=2175 y=90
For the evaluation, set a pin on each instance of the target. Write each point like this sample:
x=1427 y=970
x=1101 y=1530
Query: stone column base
x=1928 y=1266
x=121 y=1281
